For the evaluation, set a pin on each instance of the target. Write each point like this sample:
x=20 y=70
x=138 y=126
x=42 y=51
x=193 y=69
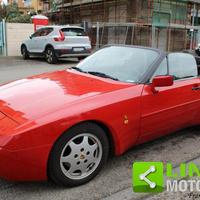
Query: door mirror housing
x=162 y=81
x=30 y=37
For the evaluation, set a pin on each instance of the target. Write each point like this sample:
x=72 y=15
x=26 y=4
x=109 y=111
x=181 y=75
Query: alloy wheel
x=81 y=156
x=49 y=55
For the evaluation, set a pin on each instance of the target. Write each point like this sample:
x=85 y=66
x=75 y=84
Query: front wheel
x=24 y=52
x=78 y=155
x=50 y=56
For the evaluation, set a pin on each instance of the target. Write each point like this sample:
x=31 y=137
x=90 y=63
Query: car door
x=173 y=107
x=42 y=40
x=32 y=42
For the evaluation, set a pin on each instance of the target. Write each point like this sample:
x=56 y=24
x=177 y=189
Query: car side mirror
x=30 y=36
x=161 y=81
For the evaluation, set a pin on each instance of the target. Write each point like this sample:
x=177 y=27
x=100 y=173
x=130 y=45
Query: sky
x=26 y=2
x=5 y=2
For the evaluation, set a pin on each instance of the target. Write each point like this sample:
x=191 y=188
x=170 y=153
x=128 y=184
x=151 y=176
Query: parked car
x=54 y=42
x=64 y=125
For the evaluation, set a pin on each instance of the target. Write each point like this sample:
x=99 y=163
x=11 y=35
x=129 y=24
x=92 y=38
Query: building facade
x=37 y=5
x=171 y=25
x=26 y=6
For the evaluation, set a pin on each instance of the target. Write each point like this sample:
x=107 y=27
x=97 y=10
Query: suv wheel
x=50 y=55
x=24 y=52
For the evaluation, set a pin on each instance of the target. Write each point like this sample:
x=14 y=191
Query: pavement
x=114 y=181
x=13 y=68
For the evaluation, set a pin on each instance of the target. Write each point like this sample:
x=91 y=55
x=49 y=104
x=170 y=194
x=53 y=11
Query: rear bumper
x=24 y=165
x=72 y=53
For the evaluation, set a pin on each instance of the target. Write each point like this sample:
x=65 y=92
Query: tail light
x=61 y=37
x=89 y=38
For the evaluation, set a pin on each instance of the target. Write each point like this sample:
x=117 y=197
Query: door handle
x=196 y=88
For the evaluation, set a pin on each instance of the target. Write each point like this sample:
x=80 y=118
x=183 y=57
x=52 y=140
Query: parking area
x=12 y=68
x=114 y=181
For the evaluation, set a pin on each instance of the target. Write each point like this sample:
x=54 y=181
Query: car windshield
x=126 y=64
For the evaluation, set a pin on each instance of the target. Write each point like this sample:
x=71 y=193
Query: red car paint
x=35 y=111
x=34 y=119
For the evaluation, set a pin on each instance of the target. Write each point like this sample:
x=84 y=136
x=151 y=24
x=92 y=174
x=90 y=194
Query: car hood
x=38 y=95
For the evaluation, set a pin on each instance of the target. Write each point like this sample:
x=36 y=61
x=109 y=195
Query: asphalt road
x=114 y=182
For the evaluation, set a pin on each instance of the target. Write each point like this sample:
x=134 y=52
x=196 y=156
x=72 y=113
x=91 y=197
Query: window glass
x=127 y=64
x=73 y=32
x=36 y=34
x=182 y=65
x=46 y=31
x=42 y=32
x=162 y=69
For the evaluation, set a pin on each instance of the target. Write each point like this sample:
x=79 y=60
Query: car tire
x=78 y=155
x=24 y=52
x=197 y=51
x=50 y=56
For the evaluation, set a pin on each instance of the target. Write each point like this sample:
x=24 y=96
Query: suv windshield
x=127 y=64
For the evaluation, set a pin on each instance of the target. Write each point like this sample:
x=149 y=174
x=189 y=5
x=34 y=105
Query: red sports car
x=64 y=125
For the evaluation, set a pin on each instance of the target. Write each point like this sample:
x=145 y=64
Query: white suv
x=55 y=42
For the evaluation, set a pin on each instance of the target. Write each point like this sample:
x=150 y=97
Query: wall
x=16 y=33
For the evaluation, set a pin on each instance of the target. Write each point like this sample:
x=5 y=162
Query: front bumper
x=24 y=165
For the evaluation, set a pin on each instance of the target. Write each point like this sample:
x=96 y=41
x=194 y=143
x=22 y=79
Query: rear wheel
x=24 y=52
x=50 y=56
x=78 y=155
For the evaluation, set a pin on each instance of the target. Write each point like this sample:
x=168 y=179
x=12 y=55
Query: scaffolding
x=171 y=25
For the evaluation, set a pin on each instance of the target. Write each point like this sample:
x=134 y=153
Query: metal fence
x=167 y=38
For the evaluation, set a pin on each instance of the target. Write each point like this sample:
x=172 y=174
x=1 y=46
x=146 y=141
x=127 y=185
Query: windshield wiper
x=100 y=74
x=77 y=69
x=187 y=77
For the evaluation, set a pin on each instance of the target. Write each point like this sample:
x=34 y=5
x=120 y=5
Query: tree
x=20 y=19
x=2 y=12
x=12 y=11
x=12 y=14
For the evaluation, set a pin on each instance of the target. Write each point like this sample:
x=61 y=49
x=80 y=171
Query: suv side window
x=182 y=65
x=46 y=31
x=37 y=33
x=42 y=32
